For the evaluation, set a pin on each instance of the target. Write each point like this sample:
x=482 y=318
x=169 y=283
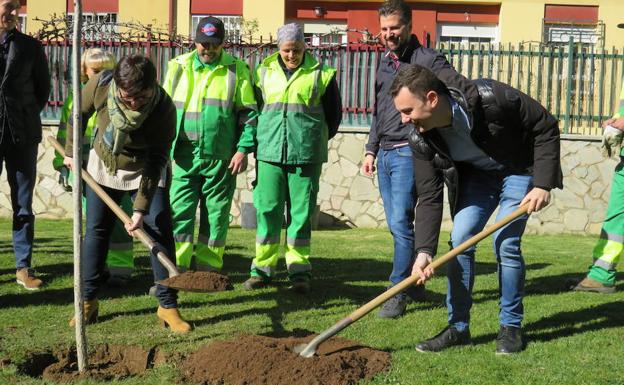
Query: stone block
x=341 y=191
x=351 y=209
x=565 y=199
x=333 y=157
x=333 y=175
x=576 y=186
x=349 y=169
x=575 y=220
x=362 y=189
x=352 y=149
x=325 y=191
x=366 y=221
x=336 y=202
x=580 y=172
x=376 y=211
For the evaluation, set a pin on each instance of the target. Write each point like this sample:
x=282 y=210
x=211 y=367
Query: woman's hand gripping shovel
x=309 y=350
x=194 y=281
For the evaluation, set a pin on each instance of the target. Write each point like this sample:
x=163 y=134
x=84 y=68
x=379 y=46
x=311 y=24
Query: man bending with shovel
x=505 y=155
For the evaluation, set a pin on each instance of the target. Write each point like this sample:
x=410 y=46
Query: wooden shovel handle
x=394 y=290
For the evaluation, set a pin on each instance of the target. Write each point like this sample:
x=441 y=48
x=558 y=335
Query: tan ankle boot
x=26 y=278
x=171 y=318
x=90 y=313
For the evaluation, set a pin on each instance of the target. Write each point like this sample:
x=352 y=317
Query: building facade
x=344 y=21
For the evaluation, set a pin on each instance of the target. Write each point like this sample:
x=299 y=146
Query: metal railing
x=577 y=84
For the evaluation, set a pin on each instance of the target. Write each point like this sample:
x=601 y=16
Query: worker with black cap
x=216 y=112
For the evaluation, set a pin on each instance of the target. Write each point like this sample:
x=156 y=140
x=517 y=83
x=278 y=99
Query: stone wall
x=349 y=199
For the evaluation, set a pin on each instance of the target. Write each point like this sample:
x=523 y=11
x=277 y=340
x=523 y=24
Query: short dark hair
x=418 y=79
x=134 y=74
x=396 y=7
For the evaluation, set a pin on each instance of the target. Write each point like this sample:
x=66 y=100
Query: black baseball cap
x=210 y=30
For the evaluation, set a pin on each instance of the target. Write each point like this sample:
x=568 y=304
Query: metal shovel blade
x=305 y=350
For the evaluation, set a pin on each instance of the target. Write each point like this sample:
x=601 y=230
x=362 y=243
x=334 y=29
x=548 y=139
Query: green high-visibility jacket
x=215 y=107
x=61 y=135
x=291 y=126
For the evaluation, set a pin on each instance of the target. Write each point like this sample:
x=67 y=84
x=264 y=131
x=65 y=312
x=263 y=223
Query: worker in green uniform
x=610 y=245
x=119 y=261
x=216 y=116
x=301 y=110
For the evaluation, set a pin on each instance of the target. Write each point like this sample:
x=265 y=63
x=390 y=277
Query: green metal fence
x=578 y=84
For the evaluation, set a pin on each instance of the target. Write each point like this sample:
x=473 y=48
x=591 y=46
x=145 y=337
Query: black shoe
x=394 y=307
x=445 y=339
x=509 y=340
x=301 y=287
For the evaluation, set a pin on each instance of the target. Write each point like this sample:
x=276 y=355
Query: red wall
x=102 y=6
x=217 y=7
x=425 y=16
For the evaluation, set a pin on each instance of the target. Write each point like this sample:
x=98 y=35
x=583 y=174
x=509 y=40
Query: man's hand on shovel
x=137 y=223
x=421 y=269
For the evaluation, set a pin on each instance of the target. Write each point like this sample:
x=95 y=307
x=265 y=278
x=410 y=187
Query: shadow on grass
x=569 y=323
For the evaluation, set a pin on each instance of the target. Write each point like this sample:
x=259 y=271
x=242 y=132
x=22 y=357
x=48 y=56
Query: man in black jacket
x=387 y=141
x=24 y=90
x=505 y=154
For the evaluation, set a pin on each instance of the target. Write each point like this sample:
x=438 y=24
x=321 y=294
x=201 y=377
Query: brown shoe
x=171 y=318
x=588 y=284
x=25 y=277
x=90 y=314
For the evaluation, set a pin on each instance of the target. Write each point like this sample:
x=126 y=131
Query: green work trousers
x=610 y=245
x=210 y=184
x=296 y=187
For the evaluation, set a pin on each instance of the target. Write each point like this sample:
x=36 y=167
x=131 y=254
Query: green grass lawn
x=573 y=338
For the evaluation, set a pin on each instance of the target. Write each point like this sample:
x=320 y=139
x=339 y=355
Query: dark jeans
x=21 y=166
x=100 y=223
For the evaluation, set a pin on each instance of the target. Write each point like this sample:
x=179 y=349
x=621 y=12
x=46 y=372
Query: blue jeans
x=480 y=192
x=100 y=223
x=21 y=166
x=395 y=170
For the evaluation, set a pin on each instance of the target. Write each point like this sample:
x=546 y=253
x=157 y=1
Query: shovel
x=309 y=350
x=139 y=233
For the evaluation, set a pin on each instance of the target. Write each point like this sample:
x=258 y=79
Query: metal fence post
x=568 y=107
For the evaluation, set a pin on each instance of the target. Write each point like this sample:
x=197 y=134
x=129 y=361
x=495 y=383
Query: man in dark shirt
x=387 y=141
x=24 y=90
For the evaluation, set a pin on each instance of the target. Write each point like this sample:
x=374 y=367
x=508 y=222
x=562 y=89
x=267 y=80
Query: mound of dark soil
x=254 y=360
x=106 y=363
x=201 y=281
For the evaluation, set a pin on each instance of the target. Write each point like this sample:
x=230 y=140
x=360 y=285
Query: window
x=577 y=22
x=467 y=34
x=323 y=34
x=557 y=32
x=232 y=26
x=97 y=26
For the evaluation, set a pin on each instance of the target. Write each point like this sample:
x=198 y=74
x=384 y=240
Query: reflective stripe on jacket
x=291 y=126
x=215 y=108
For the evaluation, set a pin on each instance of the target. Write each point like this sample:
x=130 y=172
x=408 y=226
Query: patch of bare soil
x=261 y=360
x=106 y=363
x=201 y=281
